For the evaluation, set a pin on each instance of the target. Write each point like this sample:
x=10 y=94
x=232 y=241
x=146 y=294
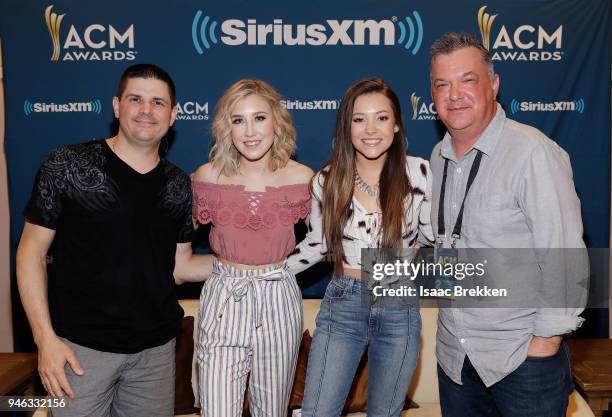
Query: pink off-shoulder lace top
x=250 y=227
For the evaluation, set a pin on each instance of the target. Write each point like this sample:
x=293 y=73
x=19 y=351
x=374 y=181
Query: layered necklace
x=371 y=190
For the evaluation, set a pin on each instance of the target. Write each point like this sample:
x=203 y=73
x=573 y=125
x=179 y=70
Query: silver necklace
x=371 y=190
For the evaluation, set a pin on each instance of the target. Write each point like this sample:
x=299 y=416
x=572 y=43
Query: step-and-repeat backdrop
x=63 y=60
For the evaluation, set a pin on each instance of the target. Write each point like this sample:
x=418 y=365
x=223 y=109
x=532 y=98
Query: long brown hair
x=340 y=175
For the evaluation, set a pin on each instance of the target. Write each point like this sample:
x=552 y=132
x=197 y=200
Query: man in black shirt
x=119 y=218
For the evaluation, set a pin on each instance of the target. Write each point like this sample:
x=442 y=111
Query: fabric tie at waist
x=243 y=280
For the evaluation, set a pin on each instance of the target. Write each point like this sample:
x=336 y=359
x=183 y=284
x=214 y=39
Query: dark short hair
x=450 y=42
x=146 y=71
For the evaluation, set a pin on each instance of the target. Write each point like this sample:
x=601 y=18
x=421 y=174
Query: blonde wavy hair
x=223 y=154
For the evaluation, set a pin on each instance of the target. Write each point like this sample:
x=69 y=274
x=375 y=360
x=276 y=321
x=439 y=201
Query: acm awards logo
x=422 y=110
x=405 y=32
x=192 y=110
x=95 y=42
x=522 y=43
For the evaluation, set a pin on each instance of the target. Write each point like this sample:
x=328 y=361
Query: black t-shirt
x=111 y=285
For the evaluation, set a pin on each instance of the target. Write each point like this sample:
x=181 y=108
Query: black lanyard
x=457 y=229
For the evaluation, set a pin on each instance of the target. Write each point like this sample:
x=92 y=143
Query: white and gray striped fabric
x=250 y=322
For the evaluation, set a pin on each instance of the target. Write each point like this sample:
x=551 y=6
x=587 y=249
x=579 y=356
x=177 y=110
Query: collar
x=485 y=143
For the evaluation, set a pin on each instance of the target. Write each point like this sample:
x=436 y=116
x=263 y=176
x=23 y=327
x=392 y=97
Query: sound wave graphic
x=514 y=106
x=580 y=106
x=414 y=99
x=202 y=33
x=28 y=108
x=97 y=106
x=53 y=24
x=485 y=23
x=412 y=31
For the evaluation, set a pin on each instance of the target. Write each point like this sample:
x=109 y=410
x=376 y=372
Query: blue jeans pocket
x=546 y=358
x=336 y=290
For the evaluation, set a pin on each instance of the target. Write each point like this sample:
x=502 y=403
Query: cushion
x=299 y=382
x=183 y=392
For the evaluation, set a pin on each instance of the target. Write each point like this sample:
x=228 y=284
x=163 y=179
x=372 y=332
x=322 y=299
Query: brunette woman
x=370 y=195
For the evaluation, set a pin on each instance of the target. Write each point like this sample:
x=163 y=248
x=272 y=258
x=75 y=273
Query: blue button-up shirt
x=523 y=197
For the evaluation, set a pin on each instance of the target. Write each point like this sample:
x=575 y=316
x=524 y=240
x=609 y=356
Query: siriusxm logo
x=576 y=105
x=310 y=105
x=93 y=106
x=95 y=42
x=406 y=32
x=422 y=111
x=522 y=43
x=192 y=110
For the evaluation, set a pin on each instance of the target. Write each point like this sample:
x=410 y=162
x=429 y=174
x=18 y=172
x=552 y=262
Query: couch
x=424 y=385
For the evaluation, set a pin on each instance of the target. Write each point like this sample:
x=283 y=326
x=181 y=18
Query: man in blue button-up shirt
x=510 y=361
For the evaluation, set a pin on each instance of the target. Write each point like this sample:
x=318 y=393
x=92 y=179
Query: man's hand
x=52 y=357
x=32 y=281
x=544 y=346
x=190 y=267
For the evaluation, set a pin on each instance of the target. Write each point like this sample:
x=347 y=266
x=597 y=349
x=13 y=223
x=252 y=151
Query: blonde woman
x=250 y=307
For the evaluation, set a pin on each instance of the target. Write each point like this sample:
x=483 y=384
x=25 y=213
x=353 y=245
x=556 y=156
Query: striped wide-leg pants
x=250 y=322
